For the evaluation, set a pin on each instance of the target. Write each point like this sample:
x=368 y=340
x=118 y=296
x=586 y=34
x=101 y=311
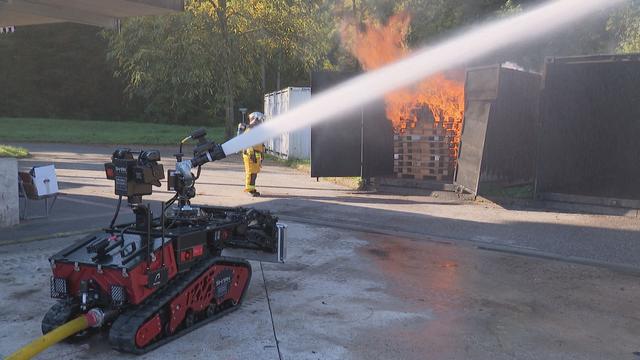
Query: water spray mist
x=421 y=64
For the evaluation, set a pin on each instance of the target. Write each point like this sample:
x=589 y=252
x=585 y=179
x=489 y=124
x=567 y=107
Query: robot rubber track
x=125 y=330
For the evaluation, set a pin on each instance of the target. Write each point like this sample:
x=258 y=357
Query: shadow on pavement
x=78 y=213
x=359 y=200
x=260 y=186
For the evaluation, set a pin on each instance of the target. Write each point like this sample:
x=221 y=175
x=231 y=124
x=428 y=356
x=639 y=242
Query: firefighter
x=253 y=157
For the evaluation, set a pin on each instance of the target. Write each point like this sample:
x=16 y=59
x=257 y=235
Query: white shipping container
x=289 y=145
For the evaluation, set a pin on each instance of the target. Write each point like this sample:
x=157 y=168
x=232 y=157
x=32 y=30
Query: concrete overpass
x=104 y=13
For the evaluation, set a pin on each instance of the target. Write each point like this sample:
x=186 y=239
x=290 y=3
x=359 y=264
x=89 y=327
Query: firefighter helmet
x=256 y=118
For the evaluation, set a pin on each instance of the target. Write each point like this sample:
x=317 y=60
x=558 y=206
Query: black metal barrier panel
x=358 y=143
x=498 y=138
x=590 y=127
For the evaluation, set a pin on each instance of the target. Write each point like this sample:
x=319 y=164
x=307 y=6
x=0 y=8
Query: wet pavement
x=572 y=234
x=353 y=295
x=369 y=276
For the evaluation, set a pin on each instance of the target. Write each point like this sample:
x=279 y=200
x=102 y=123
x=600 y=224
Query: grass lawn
x=97 y=132
x=514 y=192
x=13 y=151
x=304 y=166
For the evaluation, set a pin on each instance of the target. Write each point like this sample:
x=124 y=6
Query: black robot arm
x=213 y=152
x=204 y=152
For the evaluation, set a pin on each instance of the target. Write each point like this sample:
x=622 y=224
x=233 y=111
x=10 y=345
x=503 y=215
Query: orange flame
x=377 y=44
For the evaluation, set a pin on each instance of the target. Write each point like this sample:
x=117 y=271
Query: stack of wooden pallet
x=424 y=151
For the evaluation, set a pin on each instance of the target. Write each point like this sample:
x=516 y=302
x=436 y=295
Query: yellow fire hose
x=55 y=336
x=94 y=318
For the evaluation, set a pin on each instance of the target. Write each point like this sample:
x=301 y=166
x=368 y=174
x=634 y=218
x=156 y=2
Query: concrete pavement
x=369 y=276
x=353 y=295
x=574 y=236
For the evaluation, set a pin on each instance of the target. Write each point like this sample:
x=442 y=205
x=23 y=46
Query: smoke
x=449 y=54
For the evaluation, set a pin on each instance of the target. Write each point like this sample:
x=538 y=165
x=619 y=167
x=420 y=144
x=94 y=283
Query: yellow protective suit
x=252 y=158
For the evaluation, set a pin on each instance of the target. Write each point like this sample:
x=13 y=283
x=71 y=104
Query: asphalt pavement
x=573 y=234
x=356 y=295
x=368 y=276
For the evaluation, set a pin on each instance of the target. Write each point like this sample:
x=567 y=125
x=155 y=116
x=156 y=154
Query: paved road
x=354 y=295
x=89 y=201
x=369 y=275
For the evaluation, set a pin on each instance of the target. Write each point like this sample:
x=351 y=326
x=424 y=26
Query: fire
x=378 y=44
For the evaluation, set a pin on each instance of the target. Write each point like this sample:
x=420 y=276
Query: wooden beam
x=11 y=18
x=102 y=13
x=175 y=5
x=54 y=12
x=111 y=8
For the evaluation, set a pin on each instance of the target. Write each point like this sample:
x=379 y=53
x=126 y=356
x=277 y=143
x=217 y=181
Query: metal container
x=498 y=145
x=356 y=142
x=588 y=143
x=288 y=145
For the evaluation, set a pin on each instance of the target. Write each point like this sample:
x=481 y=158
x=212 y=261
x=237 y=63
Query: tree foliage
x=59 y=70
x=217 y=51
x=625 y=26
x=201 y=65
x=166 y=63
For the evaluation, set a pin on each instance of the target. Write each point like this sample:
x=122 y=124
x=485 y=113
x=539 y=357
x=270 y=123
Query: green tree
x=625 y=27
x=590 y=37
x=218 y=51
x=430 y=19
x=168 y=64
x=59 y=70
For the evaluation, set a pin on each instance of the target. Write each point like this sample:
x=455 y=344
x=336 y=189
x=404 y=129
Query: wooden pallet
x=424 y=177
x=405 y=147
x=423 y=157
x=425 y=131
x=421 y=164
x=413 y=138
x=426 y=153
x=426 y=149
x=422 y=145
x=422 y=171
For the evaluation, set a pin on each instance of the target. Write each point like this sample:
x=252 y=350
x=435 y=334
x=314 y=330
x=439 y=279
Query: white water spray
x=421 y=64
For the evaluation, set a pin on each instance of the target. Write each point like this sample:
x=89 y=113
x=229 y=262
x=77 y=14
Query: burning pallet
x=428 y=116
x=425 y=149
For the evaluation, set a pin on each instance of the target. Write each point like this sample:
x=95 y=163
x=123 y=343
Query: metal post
x=244 y=112
x=149 y=241
x=362 y=142
x=162 y=220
